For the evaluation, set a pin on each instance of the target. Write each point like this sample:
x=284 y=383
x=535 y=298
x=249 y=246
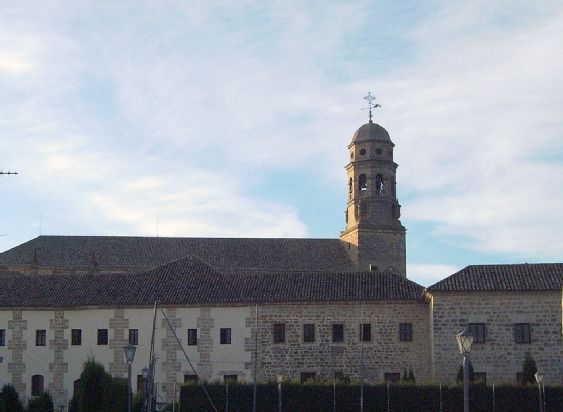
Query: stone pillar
x=171 y=365
x=119 y=325
x=58 y=367
x=16 y=346
x=205 y=344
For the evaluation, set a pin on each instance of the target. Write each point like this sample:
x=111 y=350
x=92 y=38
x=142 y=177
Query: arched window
x=363 y=182
x=76 y=387
x=350 y=184
x=36 y=385
x=379 y=184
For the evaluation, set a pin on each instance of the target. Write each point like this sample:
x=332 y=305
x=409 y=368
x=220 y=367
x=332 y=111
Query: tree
x=411 y=377
x=2 y=405
x=94 y=389
x=11 y=399
x=459 y=378
x=529 y=368
x=41 y=403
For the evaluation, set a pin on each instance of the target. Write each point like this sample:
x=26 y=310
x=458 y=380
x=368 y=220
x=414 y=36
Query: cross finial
x=371 y=105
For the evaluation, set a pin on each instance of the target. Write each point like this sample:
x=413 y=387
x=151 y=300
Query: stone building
x=300 y=308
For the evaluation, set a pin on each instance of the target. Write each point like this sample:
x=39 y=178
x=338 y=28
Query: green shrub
x=529 y=368
x=41 y=403
x=11 y=399
x=94 y=389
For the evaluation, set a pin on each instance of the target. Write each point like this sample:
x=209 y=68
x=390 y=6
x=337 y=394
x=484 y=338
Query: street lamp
x=464 y=342
x=280 y=380
x=539 y=380
x=129 y=356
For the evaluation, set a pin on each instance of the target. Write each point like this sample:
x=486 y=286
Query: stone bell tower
x=374 y=234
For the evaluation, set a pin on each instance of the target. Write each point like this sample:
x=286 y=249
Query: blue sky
x=199 y=118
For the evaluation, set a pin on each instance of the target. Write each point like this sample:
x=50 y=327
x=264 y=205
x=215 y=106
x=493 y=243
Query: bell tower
x=374 y=234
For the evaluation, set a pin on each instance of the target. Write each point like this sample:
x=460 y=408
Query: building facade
x=300 y=308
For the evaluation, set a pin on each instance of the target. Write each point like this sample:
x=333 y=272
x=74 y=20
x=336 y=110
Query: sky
x=232 y=119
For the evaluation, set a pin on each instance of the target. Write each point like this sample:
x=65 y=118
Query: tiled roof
x=519 y=277
x=189 y=281
x=4 y=273
x=140 y=253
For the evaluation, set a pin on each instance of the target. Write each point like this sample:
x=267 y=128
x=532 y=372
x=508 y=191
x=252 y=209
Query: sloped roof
x=515 y=277
x=189 y=281
x=138 y=253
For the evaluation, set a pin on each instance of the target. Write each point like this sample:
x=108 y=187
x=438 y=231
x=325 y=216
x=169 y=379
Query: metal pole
x=540 y=397
x=334 y=392
x=279 y=397
x=128 y=387
x=441 y=405
x=174 y=401
x=255 y=360
x=362 y=358
x=494 y=399
x=465 y=383
x=388 y=398
x=227 y=396
x=544 y=399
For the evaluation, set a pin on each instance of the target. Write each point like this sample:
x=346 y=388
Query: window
x=480 y=377
x=478 y=331
x=362 y=151
x=379 y=184
x=279 y=332
x=133 y=336
x=363 y=182
x=228 y=379
x=365 y=332
x=378 y=151
x=338 y=332
x=76 y=337
x=2 y=337
x=102 y=336
x=192 y=337
x=190 y=378
x=392 y=377
x=308 y=332
x=405 y=332
x=40 y=337
x=225 y=337
x=522 y=333
x=308 y=377
x=36 y=385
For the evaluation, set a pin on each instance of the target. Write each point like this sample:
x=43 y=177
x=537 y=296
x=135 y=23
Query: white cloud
x=474 y=122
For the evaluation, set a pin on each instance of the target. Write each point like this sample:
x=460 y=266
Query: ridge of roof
x=498 y=277
x=133 y=253
x=192 y=282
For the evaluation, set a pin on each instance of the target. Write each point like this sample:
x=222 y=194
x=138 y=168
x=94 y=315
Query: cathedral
x=246 y=308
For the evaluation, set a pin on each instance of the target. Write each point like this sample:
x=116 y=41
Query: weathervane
x=371 y=105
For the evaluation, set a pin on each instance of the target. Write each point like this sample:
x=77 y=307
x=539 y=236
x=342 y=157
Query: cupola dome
x=371 y=131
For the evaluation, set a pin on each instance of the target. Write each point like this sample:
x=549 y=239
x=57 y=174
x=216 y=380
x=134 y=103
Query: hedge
x=412 y=398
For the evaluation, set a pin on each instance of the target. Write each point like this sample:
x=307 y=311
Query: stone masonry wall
x=385 y=353
x=17 y=345
x=499 y=357
x=58 y=367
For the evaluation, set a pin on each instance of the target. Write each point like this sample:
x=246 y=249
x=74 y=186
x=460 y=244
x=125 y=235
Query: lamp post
x=280 y=380
x=464 y=342
x=129 y=356
x=539 y=380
